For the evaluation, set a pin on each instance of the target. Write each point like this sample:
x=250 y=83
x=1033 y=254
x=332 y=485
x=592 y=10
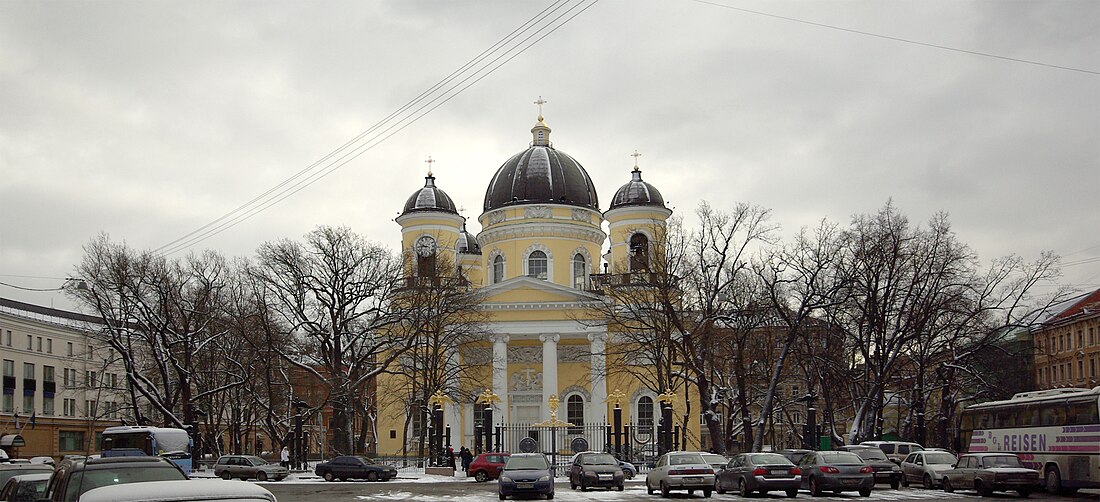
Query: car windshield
x=1001 y=461
x=532 y=463
x=871 y=454
x=686 y=459
x=602 y=459
x=95 y=478
x=840 y=458
x=939 y=458
x=769 y=459
x=256 y=460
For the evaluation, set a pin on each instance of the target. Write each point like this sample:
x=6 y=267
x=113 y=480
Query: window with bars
x=574 y=413
x=645 y=415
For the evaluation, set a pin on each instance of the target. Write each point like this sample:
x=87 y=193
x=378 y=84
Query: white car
x=681 y=470
x=192 y=490
x=926 y=467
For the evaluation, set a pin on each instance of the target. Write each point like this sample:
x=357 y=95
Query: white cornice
x=597 y=217
x=547 y=229
x=410 y=218
x=612 y=213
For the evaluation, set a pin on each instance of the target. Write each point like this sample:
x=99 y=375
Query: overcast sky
x=148 y=120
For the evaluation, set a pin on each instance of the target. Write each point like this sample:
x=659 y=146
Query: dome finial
x=636 y=174
x=540 y=134
x=636 y=155
x=430 y=161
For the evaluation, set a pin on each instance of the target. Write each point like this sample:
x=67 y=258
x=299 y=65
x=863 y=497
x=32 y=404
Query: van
x=896 y=451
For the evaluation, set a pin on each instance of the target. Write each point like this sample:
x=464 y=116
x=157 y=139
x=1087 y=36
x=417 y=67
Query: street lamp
x=666 y=400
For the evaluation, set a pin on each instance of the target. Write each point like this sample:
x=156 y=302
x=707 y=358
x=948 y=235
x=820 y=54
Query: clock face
x=425 y=246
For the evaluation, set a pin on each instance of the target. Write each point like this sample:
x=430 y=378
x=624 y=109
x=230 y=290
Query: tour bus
x=1056 y=432
x=170 y=443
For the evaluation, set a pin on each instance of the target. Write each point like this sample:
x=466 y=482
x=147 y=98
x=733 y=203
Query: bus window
x=1083 y=414
x=1028 y=417
x=967 y=423
x=1052 y=416
x=1005 y=419
x=985 y=420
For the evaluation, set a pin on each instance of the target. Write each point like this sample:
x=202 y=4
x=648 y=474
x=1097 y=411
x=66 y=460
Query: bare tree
x=332 y=293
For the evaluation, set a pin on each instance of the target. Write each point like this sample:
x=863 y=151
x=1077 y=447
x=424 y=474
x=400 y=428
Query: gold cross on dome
x=540 y=102
x=635 y=155
x=430 y=161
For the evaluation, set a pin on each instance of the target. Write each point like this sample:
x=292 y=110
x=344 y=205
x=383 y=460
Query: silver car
x=926 y=467
x=248 y=466
x=680 y=470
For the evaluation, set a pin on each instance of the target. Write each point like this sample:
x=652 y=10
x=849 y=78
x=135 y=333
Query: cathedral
x=544 y=238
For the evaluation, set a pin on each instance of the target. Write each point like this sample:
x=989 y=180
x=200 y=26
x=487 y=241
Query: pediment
x=529 y=290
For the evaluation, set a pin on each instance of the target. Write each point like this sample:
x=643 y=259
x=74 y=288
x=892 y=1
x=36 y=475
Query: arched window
x=580 y=271
x=498 y=269
x=536 y=265
x=425 y=256
x=574 y=413
x=639 y=252
x=645 y=415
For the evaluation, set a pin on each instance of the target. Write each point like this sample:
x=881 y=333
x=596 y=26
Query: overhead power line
x=473 y=71
x=897 y=39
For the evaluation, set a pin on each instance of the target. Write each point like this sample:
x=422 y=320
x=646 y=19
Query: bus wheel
x=1053 y=480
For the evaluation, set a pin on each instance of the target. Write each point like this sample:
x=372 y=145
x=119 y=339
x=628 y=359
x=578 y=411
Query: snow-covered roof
x=74 y=320
x=176 y=491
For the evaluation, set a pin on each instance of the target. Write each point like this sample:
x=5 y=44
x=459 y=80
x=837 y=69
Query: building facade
x=542 y=241
x=1067 y=345
x=60 y=387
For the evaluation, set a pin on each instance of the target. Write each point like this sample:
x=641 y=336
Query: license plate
x=849 y=481
x=778 y=472
x=605 y=476
x=525 y=485
x=693 y=480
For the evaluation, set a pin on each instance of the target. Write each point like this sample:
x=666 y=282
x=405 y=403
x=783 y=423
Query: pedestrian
x=284 y=457
x=451 y=457
x=467 y=458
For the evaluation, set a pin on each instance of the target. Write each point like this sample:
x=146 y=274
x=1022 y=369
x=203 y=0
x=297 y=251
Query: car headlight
x=544 y=478
x=505 y=479
x=590 y=473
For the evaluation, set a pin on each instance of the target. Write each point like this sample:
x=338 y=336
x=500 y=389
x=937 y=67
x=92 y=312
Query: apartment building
x=1067 y=344
x=60 y=387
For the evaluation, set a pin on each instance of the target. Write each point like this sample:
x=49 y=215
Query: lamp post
x=487 y=399
x=296 y=441
x=436 y=402
x=809 y=430
x=617 y=420
x=665 y=443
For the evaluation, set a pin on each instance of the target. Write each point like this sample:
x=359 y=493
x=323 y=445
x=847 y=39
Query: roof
x=1084 y=305
x=637 y=193
x=178 y=491
x=541 y=175
x=430 y=198
x=51 y=315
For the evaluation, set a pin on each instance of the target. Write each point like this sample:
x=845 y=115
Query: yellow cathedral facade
x=542 y=242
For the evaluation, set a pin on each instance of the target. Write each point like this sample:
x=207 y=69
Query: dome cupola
x=467 y=243
x=541 y=174
x=429 y=198
x=637 y=192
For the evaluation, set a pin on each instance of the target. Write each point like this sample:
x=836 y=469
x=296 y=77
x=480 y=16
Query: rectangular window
x=49 y=345
x=47 y=406
x=9 y=368
x=1080 y=369
x=28 y=371
x=30 y=342
x=69 y=407
x=1092 y=368
x=90 y=406
x=28 y=404
x=38 y=344
x=7 y=338
x=114 y=380
x=70 y=440
x=91 y=352
x=70 y=345
x=47 y=374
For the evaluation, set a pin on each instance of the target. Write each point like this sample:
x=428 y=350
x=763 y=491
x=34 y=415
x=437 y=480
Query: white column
x=500 y=376
x=597 y=409
x=453 y=415
x=549 y=371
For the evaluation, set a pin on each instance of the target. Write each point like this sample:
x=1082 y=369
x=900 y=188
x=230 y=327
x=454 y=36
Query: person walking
x=451 y=457
x=467 y=458
x=284 y=457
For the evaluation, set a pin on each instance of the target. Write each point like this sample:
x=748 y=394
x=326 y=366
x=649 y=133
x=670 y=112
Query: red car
x=487 y=466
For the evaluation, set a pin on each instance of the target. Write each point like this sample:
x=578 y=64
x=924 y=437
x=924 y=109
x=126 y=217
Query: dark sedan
x=354 y=467
x=526 y=474
x=886 y=471
x=837 y=471
x=593 y=469
x=750 y=473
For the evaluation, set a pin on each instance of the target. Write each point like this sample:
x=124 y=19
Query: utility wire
x=29 y=289
x=304 y=179
x=897 y=39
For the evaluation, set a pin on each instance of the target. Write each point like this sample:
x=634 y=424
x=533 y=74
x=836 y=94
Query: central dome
x=541 y=174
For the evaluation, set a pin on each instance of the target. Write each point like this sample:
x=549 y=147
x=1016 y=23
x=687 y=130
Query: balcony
x=432 y=281
x=597 y=282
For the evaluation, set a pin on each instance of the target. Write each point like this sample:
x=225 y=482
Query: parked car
x=248 y=466
x=629 y=471
x=750 y=473
x=526 y=474
x=680 y=470
x=886 y=471
x=926 y=467
x=25 y=487
x=986 y=473
x=74 y=477
x=838 y=471
x=9 y=470
x=896 y=451
x=43 y=460
x=715 y=461
x=354 y=467
x=595 y=469
x=794 y=455
x=487 y=466
x=181 y=491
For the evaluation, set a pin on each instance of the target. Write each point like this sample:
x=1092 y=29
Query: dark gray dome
x=541 y=175
x=467 y=243
x=430 y=198
x=637 y=193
